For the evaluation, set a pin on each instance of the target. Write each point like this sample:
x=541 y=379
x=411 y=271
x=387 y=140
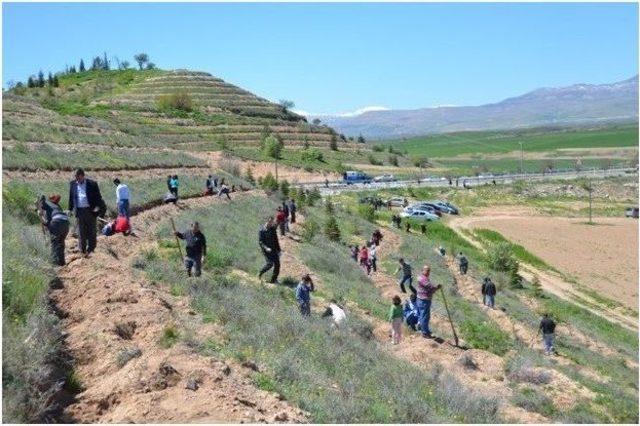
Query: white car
x=397 y=202
x=385 y=178
x=418 y=214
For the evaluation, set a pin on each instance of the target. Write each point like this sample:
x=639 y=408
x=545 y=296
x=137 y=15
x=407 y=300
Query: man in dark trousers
x=196 y=248
x=57 y=223
x=489 y=293
x=463 y=263
x=268 y=241
x=548 y=328
x=292 y=210
x=85 y=201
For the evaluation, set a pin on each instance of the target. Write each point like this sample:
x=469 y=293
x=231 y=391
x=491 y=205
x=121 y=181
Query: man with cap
x=85 y=201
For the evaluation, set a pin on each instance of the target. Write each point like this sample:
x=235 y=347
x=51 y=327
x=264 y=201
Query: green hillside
x=150 y=110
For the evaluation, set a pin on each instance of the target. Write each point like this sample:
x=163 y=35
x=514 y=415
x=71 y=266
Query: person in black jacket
x=548 y=328
x=268 y=241
x=85 y=201
x=489 y=292
x=196 y=248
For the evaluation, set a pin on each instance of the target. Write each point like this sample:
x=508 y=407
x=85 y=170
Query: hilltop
x=576 y=105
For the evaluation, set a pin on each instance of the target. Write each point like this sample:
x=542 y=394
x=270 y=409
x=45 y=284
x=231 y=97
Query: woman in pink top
x=364 y=259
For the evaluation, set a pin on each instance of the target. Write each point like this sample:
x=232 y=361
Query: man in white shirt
x=122 y=198
x=336 y=312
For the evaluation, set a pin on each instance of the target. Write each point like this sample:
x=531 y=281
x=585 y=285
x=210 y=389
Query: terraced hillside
x=105 y=111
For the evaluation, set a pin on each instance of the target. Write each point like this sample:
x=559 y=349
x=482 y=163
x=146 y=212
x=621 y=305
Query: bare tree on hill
x=141 y=59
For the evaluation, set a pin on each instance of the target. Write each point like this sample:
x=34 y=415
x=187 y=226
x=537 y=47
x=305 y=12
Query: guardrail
x=333 y=188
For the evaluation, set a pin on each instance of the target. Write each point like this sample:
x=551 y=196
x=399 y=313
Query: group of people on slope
x=367 y=255
x=211 y=187
x=87 y=204
x=417 y=309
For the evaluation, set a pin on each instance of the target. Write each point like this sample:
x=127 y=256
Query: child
x=395 y=318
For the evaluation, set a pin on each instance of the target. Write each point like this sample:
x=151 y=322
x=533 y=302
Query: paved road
x=335 y=188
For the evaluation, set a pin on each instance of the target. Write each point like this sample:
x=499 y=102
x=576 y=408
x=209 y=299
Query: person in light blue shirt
x=122 y=198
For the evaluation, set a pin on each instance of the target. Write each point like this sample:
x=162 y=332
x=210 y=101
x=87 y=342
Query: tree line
x=99 y=62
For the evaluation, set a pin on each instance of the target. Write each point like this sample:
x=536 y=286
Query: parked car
x=418 y=214
x=429 y=206
x=446 y=207
x=385 y=178
x=426 y=207
x=398 y=202
x=632 y=212
x=355 y=177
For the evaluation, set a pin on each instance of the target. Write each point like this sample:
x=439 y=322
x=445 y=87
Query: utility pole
x=521 y=161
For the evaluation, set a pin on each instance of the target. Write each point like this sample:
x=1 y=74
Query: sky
x=339 y=58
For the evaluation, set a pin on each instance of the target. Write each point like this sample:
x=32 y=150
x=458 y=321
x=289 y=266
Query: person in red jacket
x=364 y=259
x=280 y=219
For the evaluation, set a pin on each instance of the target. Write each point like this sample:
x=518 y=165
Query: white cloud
x=363 y=110
x=344 y=114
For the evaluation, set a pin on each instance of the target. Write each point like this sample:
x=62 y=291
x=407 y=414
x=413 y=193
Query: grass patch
x=488 y=236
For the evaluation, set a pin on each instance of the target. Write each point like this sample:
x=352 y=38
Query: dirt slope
x=102 y=293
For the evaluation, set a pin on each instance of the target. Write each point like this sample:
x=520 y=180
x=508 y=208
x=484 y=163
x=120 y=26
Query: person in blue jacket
x=303 y=295
x=410 y=312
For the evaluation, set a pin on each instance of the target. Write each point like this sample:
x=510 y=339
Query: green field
x=534 y=140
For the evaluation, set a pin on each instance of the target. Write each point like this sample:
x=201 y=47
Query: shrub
x=268 y=183
x=311 y=155
x=180 y=100
x=393 y=160
x=374 y=161
x=313 y=196
x=310 y=229
x=537 y=287
x=367 y=212
x=284 y=187
x=272 y=147
x=169 y=337
x=378 y=148
x=501 y=259
x=331 y=229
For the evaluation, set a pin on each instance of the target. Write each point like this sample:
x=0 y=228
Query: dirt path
x=101 y=295
x=551 y=281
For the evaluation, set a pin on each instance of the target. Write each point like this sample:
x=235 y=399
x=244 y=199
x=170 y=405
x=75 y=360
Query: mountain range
x=579 y=104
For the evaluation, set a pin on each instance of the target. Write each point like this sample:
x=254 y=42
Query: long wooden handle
x=173 y=225
x=446 y=306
